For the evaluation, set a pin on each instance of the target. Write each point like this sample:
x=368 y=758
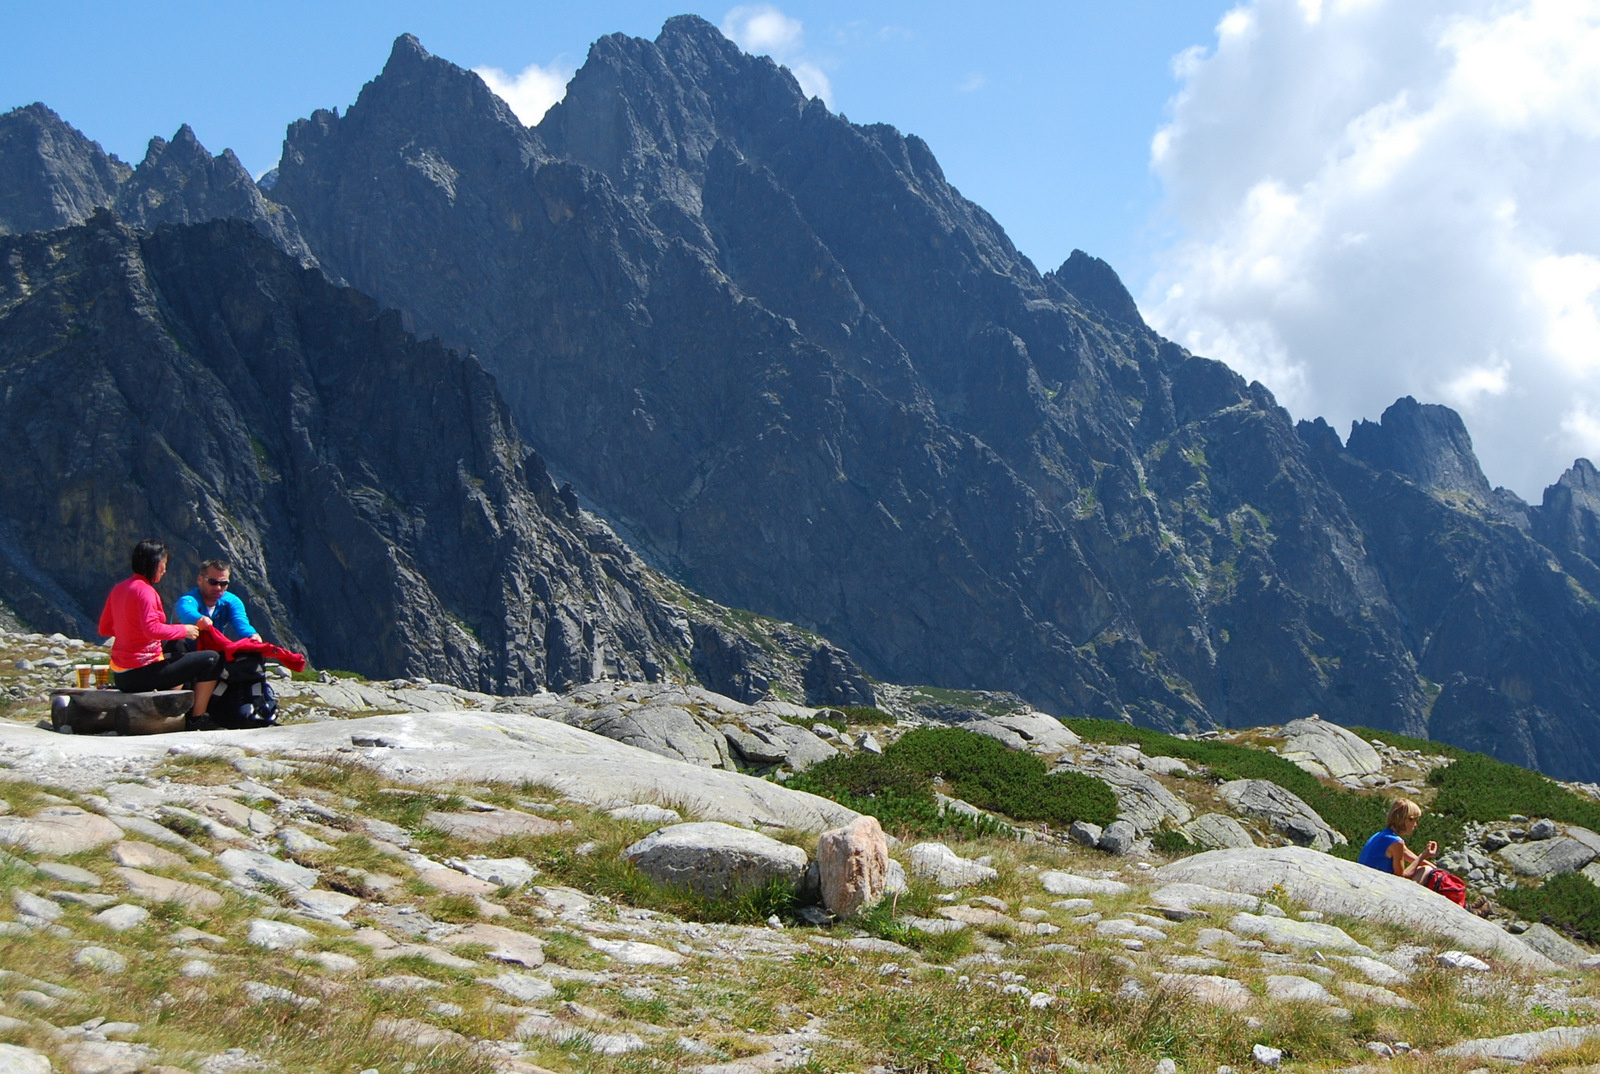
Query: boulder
x=1164 y=766
x=853 y=866
x=1287 y=932
x=1084 y=833
x=1283 y=811
x=1552 y=945
x=668 y=730
x=1119 y=837
x=461 y=745
x=1548 y=857
x=767 y=740
x=1523 y=1047
x=252 y=867
x=943 y=866
x=1217 y=831
x=1035 y=732
x=1337 y=752
x=503 y=944
x=58 y=830
x=1057 y=882
x=712 y=859
x=162 y=889
x=1141 y=799
x=1207 y=990
x=1334 y=886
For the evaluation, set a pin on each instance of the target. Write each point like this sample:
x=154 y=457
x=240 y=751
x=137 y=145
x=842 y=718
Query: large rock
x=853 y=866
x=714 y=860
x=461 y=746
x=943 y=866
x=1552 y=945
x=1335 y=886
x=485 y=826
x=58 y=830
x=1548 y=857
x=1523 y=1047
x=1217 y=831
x=1289 y=932
x=670 y=730
x=152 y=888
x=1283 y=811
x=1036 y=732
x=1141 y=799
x=1326 y=749
x=766 y=740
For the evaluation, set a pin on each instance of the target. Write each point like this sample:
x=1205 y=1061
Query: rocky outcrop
x=1328 y=750
x=1282 y=810
x=852 y=866
x=1425 y=442
x=199 y=386
x=1334 y=886
x=50 y=174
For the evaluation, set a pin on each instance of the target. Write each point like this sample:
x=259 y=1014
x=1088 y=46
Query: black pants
x=173 y=671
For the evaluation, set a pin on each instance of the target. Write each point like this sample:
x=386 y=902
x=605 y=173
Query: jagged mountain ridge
x=52 y=176
x=196 y=384
x=814 y=380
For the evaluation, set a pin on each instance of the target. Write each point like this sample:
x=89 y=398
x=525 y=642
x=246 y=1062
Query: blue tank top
x=1376 y=852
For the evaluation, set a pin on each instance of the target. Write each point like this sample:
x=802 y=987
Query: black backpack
x=243 y=698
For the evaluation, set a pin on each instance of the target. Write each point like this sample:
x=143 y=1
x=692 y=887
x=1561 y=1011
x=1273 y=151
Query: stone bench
x=93 y=712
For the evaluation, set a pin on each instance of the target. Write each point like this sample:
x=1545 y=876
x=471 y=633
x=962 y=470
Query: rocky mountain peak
x=50 y=174
x=1096 y=284
x=1425 y=442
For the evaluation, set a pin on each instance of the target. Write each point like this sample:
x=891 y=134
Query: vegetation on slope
x=899 y=786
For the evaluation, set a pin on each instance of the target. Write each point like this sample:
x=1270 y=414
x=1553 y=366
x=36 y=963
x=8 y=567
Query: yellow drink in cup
x=85 y=674
x=102 y=675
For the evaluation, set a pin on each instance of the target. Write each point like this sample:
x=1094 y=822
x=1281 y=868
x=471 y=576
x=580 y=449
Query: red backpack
x=1447 y=884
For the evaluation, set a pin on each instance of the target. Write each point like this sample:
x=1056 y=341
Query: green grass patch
x=898 y=786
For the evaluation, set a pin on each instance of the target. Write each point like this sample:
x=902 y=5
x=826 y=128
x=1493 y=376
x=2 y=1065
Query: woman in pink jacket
x=135 y=619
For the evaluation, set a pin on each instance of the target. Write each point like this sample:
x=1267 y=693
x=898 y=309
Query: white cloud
x=763 y=30
x=1378 y=198
x=531 y=93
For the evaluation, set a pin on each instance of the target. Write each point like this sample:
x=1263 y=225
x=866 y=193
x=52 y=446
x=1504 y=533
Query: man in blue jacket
x=210 y=604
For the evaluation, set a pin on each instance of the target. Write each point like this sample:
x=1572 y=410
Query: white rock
x=15 y=1059
x=1288 y=988
x=57 y=830
x=1208 y=990
x=712 y=859
x=294 y=841
x=122 y=918
x=278 y=935
x=33 y=905
x=501 y=872
x=255 y=867
x=1338 y=752
x=1287 y=932
x=1064 y=883
x=522 y=987
x=1523 y=1047
x=100 y=959
x=635 y=952
x=1334 y=886
x=645 y=813
x=260 y=992
x=1460 y=960
x=326 y=903
x=1267 y=1057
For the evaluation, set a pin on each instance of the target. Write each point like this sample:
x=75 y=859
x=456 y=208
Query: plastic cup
x=102 y=675
x=85 y=675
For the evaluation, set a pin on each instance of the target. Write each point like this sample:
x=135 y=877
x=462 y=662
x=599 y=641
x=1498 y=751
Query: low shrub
x=865 y=715
x=1570 y=903
x=1478 y=787
x=898 y=786
x=1169 y=842
x=1355 y=815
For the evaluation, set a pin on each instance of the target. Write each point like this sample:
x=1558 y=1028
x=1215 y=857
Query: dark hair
x=215 y=565
x=147 y=557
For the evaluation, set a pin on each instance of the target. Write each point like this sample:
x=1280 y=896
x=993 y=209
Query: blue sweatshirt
x=228 y=616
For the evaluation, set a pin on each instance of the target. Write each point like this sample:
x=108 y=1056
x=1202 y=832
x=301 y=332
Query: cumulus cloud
x=763 y=30
x=531 y=93
x=1377 y=198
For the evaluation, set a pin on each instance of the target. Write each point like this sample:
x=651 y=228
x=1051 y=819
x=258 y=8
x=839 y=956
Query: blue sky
x=1042 y=113
x=1348 y=200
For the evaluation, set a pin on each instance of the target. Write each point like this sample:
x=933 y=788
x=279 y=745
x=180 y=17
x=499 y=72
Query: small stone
x=15 y=1059
x=646 y=814
x=331 y=961
x=68 y=874
x=259 y=992
x=636 y=953
x=33 y=905
x=148 y=886
x=1119 y=837
x=1542 y=829
x=188 y=935
x=138 y=855
x=1460 y=960
x=1267 y=1057
x=1167 y=1066
x=523 y=987
x=100 y=959
x=122 y=918
x=278 y=935
x=501 y=872
x=294 y=841
x=1084 y=833
x=321 y=903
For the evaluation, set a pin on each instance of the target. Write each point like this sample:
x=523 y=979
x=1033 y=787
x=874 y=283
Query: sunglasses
x=215 y=582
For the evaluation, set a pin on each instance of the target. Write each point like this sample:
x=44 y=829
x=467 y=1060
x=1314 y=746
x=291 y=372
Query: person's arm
x=187 y=610
x=241 y=621
x=152 y=619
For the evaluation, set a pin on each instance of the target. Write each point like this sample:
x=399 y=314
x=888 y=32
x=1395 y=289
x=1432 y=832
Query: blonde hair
x=1403 y=809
